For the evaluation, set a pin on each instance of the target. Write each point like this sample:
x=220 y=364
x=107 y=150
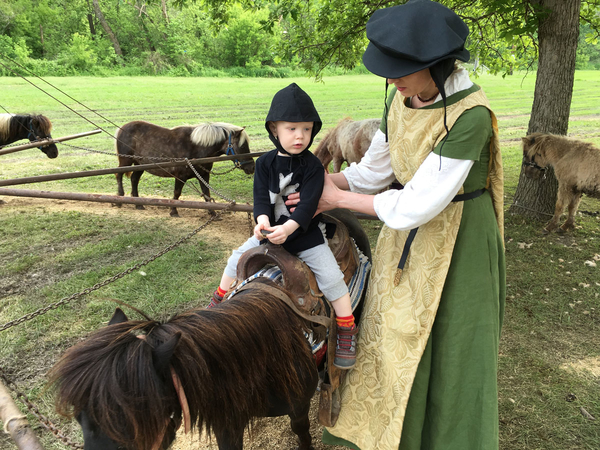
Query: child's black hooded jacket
x=276 y=177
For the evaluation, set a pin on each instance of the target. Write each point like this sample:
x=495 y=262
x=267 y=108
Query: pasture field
x=549 y=377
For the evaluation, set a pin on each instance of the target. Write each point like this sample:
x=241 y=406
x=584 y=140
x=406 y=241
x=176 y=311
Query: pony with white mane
x=140 y=142
x=14 y=127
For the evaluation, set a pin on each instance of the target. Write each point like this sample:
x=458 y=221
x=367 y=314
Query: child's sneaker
x=215 y=300
x=345 y=350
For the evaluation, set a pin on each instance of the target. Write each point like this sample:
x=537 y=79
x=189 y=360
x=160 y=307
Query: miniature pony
x=348 y=141
x=576 y=166
x=14 y=127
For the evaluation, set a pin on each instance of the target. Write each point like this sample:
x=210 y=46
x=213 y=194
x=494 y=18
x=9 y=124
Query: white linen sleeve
x=432 y=188
x=374 y=171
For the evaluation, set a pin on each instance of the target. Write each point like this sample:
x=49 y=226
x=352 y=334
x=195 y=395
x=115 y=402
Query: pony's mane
x=224 y=359
x=14 y=121
x=212 y=133
x=4 y=125
x=43 y=122
x=542 y=140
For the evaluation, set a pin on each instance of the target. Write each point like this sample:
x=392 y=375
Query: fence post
x=15 y=423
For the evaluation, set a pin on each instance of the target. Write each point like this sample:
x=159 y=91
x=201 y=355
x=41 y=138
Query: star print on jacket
x=285 y=189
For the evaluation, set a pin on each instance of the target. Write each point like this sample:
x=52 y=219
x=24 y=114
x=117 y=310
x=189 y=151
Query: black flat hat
x=414 y=36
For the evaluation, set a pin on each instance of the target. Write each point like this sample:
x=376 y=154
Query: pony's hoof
x=175 y=214
x=545 y=231
x=139 y=207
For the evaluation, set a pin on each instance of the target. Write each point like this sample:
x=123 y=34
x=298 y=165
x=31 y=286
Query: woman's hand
x=330 y=196
x=293 y=200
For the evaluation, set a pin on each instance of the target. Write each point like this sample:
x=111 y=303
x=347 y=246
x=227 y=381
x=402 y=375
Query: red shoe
x=215 y=300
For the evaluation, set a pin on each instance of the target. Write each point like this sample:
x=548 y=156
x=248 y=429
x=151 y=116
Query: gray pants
x=319 y=259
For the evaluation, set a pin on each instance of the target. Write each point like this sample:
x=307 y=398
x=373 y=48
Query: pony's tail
x=322 y=152
x=117 y=133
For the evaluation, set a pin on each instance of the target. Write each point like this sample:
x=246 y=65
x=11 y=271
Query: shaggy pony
x=576 y=166
x=348 y=141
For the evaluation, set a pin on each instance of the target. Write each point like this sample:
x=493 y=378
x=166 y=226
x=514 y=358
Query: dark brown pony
x=141 y=142
x=14 y=127
x=247 y=358
x=576 y=166
x=348 y=141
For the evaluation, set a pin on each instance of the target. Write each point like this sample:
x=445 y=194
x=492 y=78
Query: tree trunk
x=107 y=28
x=42 y=38
x=558 y=34
x=164 y=10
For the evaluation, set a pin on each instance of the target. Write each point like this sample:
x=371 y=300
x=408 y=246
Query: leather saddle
x=308 y=300
x=298 y=279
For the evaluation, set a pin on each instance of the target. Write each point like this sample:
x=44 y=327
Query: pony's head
x=118 y=385
x=534 y=159
x=40 y=128
x=234 y=140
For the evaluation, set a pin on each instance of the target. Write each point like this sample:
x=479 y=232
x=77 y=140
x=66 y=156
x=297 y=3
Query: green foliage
x=79 y=55
x=250 y=37
x=245 y=43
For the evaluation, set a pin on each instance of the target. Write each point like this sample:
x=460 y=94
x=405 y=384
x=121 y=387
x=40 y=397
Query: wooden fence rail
x=92 y=173
x=18 y=148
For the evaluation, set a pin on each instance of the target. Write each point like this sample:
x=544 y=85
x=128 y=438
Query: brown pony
x=246 y=358
x=576 y=166
x=348 y=141
x=141 y=142
x=14 y=127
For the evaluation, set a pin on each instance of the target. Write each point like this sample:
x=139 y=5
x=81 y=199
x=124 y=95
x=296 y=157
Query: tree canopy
x=181 y=37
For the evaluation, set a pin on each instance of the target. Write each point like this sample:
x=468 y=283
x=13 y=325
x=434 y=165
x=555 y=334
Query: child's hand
x=281 y=232
x=278 y=234
x=257 y=231
x=262 y=224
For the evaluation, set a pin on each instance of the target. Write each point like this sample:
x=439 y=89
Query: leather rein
x=185 y=409
x=320 y=320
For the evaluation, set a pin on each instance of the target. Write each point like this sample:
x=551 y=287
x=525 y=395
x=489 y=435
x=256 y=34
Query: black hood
x=292 y=104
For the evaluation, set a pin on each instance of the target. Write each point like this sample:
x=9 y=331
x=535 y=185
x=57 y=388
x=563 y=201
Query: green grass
x=553 y=305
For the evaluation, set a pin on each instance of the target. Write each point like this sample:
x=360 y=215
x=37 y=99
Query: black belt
x=412 y=233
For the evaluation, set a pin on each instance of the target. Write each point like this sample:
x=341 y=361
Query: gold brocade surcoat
x=397 y=320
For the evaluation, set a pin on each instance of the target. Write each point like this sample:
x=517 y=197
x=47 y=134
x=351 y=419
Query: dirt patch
x=232 y=228
x=268 y=433
x=585 y=367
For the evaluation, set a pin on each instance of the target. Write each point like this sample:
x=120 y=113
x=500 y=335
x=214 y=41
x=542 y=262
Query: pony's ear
x=161 y=355
x=118 y=317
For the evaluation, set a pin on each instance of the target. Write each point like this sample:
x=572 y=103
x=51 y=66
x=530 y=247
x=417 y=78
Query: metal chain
x=203 y=181
x=114 y=278
x=151 y=158
x=33 y=409
x=250 y=223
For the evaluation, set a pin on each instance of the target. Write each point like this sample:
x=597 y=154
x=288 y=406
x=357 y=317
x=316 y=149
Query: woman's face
x=416 y=83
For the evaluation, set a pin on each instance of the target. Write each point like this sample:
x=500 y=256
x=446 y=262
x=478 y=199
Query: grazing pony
x=14 y=127
x=576 y=166
x=131 y=384
x=141 y=142
x=348 y=141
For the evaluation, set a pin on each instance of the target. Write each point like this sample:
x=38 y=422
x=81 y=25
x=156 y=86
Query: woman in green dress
x=427 y=350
